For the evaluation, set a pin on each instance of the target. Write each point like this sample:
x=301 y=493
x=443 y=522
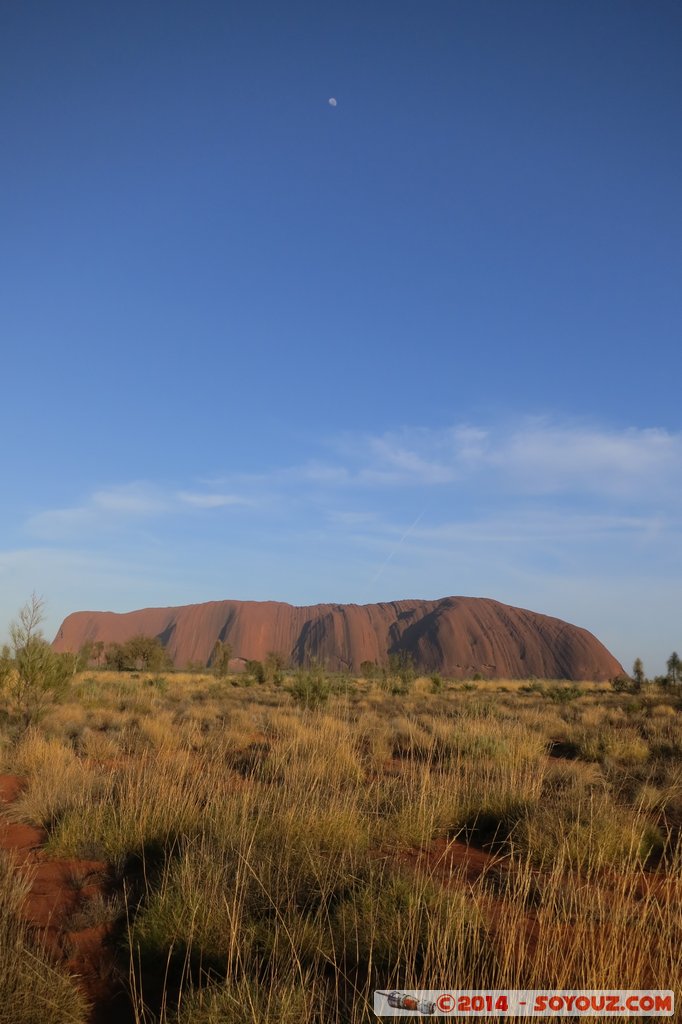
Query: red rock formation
x=455 y=636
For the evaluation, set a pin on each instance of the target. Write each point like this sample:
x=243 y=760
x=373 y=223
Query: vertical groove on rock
x=455 y=636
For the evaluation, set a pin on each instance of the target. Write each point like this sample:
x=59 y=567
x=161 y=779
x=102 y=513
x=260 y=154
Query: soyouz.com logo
x=520 y=1003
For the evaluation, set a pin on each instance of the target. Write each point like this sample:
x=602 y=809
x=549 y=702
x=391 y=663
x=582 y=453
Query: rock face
x=455 y=636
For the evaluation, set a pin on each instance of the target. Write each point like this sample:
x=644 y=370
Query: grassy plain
x=277 y=862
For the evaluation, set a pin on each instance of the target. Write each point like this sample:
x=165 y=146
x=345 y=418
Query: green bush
x=31 y=674
x=562 y=694
x=623 y=684
x=255 y=670
x=341 y=683
x=398 y=676
x=311 y=687
x=274 y=667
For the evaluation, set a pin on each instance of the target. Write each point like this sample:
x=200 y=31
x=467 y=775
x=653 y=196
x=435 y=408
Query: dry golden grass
x=280 y=862
x=58 y=780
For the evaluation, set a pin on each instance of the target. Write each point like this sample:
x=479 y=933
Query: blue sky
x=424 y=342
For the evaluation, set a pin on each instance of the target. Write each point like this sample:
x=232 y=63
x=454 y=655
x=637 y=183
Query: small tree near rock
x=638 y=673
x=674 y=665
x=274 y=667
x=116 y=657
x=147 y=653
x=255 y=670
x=220 y=659
x=32 y=674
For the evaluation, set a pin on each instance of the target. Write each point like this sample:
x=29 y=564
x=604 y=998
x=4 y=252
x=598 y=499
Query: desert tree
x=147 y=653
x=673 y=664
x=220 y=659
x=97 y=651
x=139 y=653
x=638 y=673
x=32 y=674
x=274 y=667
x=116 y=657
x=401 y=672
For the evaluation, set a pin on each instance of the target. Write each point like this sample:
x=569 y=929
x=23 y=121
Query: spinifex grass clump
x=586 y=833
x=148 y=803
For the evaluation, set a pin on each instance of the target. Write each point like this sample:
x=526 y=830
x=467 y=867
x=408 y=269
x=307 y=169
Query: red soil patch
x=58 y=907
x=21 y=841
x=60 y=887
x=10 y=788
x=450 y=860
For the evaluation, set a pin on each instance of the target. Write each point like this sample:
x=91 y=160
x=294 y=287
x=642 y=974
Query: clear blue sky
x=423 y=342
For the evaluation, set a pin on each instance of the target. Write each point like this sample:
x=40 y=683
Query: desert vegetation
x=281 y=844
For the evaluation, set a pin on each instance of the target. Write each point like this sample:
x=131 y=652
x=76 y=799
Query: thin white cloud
x=115 y=507
x=57 y=522
x=314 y=472
x=104 y=508
x=405 y=463
x=352 y=518
x=533 y=457
x=136 y=499
x=207 y=500
x=545 y=458
x=470 y=444
x=549 y=524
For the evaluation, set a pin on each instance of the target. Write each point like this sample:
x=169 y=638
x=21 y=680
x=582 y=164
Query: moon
x=332 y=101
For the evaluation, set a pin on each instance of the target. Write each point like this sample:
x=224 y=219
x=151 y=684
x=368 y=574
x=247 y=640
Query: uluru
x=455 y=636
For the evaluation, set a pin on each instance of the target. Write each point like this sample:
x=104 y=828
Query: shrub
x=31 y=673
x=255 y=670
x=220 y=659
x=341 y=683
x=274 y=667
x=436 y=683
x=623 y=684
x=562 y=694
x=398 y=676
x=311 y=687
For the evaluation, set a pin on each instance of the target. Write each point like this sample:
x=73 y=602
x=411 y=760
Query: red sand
x=60 y=888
